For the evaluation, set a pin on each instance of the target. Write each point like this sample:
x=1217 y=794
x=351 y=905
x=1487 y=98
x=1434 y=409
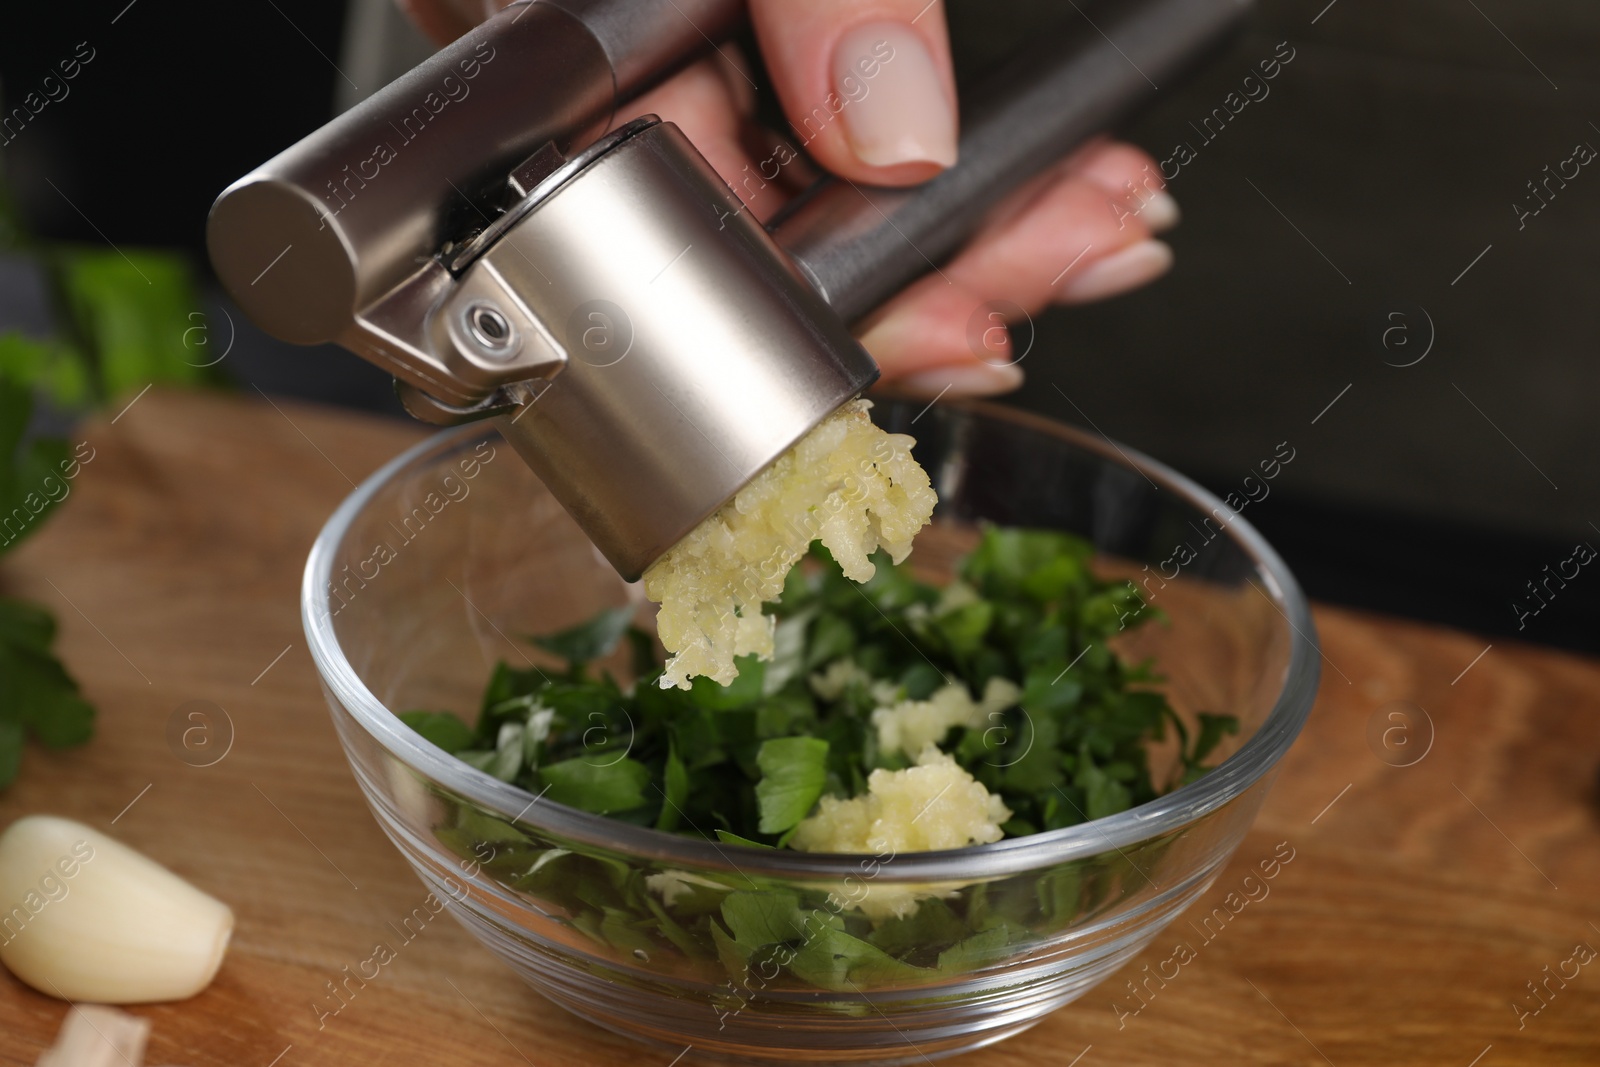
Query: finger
x=1070 y=245
x=1128 y=175
x=1066 y=245
x=866 y=84
x=709 y=102
x=920 y=342
x=1039 y=251
x=1133 y=179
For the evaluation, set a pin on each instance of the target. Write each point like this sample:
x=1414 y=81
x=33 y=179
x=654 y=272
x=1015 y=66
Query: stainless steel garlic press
x=479 y=230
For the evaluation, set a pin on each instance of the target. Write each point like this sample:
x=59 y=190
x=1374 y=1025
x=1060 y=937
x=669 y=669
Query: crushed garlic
x=846 y=483
x=912 y=725
x=933 y=805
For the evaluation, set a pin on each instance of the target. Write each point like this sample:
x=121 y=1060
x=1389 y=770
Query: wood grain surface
x=1419 y=903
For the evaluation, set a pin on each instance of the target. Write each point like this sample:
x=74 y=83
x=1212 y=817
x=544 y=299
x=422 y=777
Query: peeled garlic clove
x=88 y=918
x=97 y=1036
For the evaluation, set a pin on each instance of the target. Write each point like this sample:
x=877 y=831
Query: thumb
x=866 y=84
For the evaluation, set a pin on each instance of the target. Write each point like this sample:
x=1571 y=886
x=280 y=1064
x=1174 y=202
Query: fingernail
x=1160 y=212
x=1117 y=273
x=892 y=99
x=960 y=379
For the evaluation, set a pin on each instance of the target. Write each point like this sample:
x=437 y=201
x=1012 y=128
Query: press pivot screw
x=491 y=330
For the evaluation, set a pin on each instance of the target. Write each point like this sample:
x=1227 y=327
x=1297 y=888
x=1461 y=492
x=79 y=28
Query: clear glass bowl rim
x=1236 y=774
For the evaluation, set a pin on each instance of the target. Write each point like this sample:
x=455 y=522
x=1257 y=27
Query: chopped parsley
x=752 y=758
x=1057 y=725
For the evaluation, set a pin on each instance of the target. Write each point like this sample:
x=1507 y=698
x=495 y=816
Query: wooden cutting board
x=1419 y=902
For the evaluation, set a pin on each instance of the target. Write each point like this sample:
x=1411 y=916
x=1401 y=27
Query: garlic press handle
x=859 y=245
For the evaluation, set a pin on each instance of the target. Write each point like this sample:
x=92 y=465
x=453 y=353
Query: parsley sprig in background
x=124 y=319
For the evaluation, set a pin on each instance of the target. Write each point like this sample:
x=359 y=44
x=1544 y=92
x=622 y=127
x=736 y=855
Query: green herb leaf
x=1212 y=730
x=37 y=695
x=505 y=760
x=794 y=771
x=10 y=749
x=835 y=960
x=1103 y=794
x=32 y=477
x=963 y=628
x=25 y=625
x=758 y=918
x=48 y=698
x=788 y=712
x=443 y=728
x=600 y=788
x=140 y=316
x=674 y=932
x=1040 y=565
x=932 y=926
x=54 y=369
x=979 y=950
x=675 y=791
x=591 y=640
x=744 y=690
x=1030 y=760
x=832 y=636
x=1051 y=688
x=921 y=679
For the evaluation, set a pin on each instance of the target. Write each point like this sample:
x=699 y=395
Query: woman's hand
x=868 y=91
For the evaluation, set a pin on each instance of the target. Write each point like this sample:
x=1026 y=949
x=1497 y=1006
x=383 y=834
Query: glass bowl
x=442 y=563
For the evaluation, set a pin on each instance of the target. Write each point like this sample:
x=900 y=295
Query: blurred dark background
x=1356 y=218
